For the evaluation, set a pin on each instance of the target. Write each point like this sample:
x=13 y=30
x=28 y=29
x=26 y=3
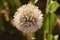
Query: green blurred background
x=7 y=29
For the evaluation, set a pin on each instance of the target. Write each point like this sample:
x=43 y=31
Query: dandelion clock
x=28 y=18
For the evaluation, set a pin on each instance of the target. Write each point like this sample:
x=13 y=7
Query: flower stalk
x=30 y=36
x=33 y=36
x=47 y=34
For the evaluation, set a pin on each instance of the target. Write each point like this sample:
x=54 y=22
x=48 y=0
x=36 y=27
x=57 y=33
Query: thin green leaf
x=46 y=22
x=49 y=22
x=34 y=1
x=52 y=21
x=53 y=7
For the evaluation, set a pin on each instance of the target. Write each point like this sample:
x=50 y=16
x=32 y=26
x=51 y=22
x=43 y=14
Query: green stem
x=30 y=36
x=45 y=35
x=33 y=36
x=47 y=8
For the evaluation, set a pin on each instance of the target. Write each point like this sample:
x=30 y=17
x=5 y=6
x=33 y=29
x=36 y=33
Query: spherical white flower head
x=28 y=18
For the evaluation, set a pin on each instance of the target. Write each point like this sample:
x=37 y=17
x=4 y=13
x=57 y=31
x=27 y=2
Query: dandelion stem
x=30 y=36
x=33 y=36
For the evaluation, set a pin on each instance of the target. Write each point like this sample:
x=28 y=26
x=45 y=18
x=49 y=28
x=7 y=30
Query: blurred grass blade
x=53 y=7
x=34 y=1
x=46 y=25
x=46 y=22
x=52 y=21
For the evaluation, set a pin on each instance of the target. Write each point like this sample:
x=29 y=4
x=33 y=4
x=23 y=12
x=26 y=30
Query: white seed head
x=28 y=18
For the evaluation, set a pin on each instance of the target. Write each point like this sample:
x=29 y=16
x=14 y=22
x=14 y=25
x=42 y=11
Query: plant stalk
x=30 y=36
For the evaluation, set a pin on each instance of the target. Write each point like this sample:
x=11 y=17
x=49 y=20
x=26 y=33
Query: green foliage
x=46 y=22
x=53 y=6
x=50 y=18
x=50 y=37
x=50 y=21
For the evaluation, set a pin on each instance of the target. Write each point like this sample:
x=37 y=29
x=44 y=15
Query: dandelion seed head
x=28 y=18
